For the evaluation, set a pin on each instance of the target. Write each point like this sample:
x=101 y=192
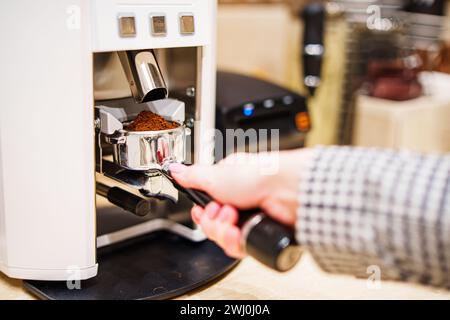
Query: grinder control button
x=187 y=24
x=158 y=25
x=127 y=26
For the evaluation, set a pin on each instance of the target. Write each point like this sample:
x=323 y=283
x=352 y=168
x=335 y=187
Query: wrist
x=293 y=166
x=281 y=188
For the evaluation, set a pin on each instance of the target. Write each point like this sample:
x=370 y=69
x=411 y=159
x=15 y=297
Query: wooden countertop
x=250 y=280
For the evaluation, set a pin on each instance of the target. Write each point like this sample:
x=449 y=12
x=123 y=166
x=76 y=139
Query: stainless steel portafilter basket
x=148 y=150
x=144 y=150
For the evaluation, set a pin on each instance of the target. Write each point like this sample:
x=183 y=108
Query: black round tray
x=160 y=265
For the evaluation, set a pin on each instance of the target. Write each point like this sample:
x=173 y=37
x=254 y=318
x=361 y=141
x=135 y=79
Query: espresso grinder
x=95 y=214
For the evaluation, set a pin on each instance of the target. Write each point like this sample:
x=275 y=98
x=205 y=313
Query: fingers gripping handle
x=263 y=238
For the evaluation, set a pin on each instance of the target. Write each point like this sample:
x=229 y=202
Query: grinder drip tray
x=158 y=265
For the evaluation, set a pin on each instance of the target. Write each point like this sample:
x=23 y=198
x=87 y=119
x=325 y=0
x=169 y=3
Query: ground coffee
x=149 y=121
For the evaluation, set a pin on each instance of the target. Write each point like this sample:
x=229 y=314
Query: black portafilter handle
x=263 y=238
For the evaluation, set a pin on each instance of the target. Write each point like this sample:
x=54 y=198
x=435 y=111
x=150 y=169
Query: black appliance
x=249 y=103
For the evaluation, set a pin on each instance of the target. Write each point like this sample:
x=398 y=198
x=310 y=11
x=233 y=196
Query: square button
x=187 y=25
x=158 y=24
x=127 y=26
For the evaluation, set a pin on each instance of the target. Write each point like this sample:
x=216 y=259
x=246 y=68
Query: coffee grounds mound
x=149 y=121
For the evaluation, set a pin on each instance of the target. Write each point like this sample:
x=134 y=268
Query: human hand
x=268 y=181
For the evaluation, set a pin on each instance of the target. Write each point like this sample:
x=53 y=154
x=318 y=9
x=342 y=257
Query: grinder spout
x=144 y=75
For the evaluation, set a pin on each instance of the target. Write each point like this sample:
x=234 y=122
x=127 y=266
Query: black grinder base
x=159 y=265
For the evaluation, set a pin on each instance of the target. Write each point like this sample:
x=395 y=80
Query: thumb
x=195 y=176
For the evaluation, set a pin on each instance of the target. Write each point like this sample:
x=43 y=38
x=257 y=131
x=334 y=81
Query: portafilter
x=263 y=238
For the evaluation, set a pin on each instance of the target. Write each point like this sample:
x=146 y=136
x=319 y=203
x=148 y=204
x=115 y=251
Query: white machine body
x=47 y=165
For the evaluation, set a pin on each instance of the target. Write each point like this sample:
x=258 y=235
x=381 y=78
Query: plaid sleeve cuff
x=364 y=208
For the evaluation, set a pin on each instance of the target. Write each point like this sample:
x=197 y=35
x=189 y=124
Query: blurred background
x=372 y=72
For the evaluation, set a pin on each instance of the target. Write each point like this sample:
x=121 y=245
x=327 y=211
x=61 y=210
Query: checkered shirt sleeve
x=362 y=208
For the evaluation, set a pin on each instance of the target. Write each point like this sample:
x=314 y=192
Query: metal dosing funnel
x=144 y=75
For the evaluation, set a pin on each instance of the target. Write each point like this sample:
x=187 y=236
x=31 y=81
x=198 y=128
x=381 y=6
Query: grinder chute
x=144 y=75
